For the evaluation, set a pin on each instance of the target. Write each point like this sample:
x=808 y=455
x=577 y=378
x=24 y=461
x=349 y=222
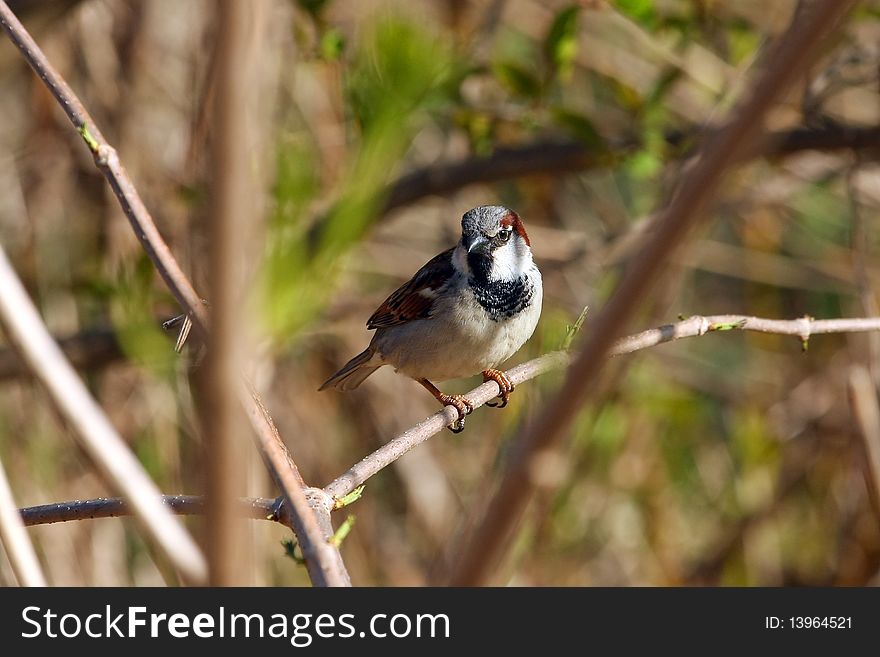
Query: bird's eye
x=503 y=234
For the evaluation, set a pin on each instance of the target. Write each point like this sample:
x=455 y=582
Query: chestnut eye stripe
x=512 y=222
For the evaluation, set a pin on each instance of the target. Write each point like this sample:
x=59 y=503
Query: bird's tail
x=353 y=373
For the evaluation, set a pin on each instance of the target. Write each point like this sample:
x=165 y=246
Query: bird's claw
x=462 y=405
x=505 y=386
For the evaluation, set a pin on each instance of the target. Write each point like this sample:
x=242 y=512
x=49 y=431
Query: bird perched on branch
x=466 y=311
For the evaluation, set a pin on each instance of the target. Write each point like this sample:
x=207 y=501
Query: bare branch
x=325 y=564
x=230 y=219
x=866 y=409
x=695 y=326
x=108 y=162
x=402 y=443
x=552 y=158
x=91 y=427
x=859 y=245
x=300 y=512
x=256 y=508
x=14 y=537
x=268 y=509
x=787 y=61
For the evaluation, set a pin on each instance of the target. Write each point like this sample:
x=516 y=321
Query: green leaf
x=517 y=80
x=342 y=532
x=312 y=7
x=626 y=96
x=580 y=127
x=641 y=11
x=399 y=72
x=657 y=95
x=560 y=44
x=332 y=45
x=644 y=165
x=479 y=128
x=290 y=550
x=572 y=329
x=352 y=497
x=131 y=311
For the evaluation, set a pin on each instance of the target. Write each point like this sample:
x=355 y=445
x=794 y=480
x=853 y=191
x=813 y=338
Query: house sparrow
x=467 y=310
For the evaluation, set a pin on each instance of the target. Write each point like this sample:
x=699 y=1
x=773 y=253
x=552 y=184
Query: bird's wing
x=415 y=298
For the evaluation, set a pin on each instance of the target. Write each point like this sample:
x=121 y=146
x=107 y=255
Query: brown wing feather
x=415 y=298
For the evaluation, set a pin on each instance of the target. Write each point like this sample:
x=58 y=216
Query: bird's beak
x=474 y=243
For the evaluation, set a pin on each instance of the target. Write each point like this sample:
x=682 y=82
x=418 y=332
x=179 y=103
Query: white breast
x=460 y=339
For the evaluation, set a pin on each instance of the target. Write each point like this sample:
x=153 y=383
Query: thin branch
x=552 y=158
x=259 y=508
x=108 y=162
x=255 y=508
x=93 y=431
x=483 y=547
x=322 y=558
x=301 y=511
x=268 y=509
x=695 y=326
x=545 y=158
x=229 y=221
x=860 y=248
x=14 y=537
x=866 y=409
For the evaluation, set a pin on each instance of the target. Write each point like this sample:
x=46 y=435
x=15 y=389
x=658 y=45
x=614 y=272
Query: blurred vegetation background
x=730 y=459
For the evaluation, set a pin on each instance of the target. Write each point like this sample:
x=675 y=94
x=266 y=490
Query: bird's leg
x=505 y=385
x=462 y=405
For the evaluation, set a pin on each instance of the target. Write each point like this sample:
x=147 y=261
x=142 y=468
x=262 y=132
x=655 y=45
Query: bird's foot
x=462 y=405
x=505 y=386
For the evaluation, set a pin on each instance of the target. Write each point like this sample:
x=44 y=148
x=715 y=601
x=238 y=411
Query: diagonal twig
x=264 y=508
x=695 y=326
x=480 y=551
x=866 y=410
x=323 y=560
x=14 y=537
x=91 y=428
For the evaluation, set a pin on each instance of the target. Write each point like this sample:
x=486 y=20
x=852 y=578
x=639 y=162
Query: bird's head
x=494 y=245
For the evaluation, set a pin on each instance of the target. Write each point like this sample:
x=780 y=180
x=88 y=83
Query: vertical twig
x=322 y=558
x=91 y=427
x=15 y=539
x=866 y=409
x=860 y=247
x=232 y=209
x=482 y=548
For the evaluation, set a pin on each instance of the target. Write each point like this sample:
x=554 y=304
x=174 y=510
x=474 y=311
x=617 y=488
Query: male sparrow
x=467 y=310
